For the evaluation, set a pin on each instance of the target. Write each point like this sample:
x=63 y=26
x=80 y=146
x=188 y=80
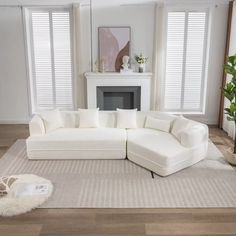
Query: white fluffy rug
x=11 y=205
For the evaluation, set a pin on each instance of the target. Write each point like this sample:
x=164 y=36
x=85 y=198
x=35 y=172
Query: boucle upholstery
x=163 y=151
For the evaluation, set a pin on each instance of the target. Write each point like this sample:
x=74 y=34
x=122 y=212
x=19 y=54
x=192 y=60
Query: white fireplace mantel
x=117 y=79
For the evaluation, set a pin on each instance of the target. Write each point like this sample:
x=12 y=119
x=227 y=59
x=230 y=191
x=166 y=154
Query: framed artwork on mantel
x=113 y=44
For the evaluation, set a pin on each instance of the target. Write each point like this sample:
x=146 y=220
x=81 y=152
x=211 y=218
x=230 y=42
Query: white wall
x=13 y=79
x=141 y=20
x=218 y=24
x=139 y=17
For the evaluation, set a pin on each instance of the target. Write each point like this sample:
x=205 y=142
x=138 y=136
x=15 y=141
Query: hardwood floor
x=9 y=134
x=139 y=222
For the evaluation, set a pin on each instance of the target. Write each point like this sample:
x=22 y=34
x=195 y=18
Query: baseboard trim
x=14 y=122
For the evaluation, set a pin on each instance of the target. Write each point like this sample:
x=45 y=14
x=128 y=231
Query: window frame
x=203 y=99
x=29 y=47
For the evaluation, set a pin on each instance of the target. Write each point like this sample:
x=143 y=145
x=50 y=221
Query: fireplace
x=125 y=97
x=109 y=91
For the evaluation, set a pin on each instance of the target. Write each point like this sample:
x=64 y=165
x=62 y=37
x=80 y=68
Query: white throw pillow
x=52 y=120
x=179 y=125
x=154 y=123
x=126 y=118
x=88 y=118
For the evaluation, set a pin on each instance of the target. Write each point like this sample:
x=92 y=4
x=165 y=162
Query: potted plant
x=230 y=94
x=141 y=60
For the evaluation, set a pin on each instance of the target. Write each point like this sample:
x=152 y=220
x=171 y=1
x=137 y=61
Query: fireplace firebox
x=125 y=97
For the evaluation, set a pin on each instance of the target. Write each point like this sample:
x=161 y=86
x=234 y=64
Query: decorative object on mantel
x=96 y=66
x=125 y=65
x=230 y=94
x=113 y=44
x=141 y=60
x=125 y=61
x=102 y=66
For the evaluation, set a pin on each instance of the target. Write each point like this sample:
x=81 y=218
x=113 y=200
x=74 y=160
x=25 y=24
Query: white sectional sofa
x=71 y=142
x=163 y=152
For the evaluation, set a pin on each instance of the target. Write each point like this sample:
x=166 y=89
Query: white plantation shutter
x=51 y=59
x=185 y=61
x=42 y=69
x=174 y=60
x=194 y=61
x=62 y=59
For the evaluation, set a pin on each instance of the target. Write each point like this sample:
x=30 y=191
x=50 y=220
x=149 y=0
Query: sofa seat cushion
x=72 y=143
x=161 y=152
x=153 y=142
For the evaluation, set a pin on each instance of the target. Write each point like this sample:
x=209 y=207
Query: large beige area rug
x=122 y=184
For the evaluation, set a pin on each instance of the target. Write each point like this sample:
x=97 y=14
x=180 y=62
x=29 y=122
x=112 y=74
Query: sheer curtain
x=228 y=126
x=158 y=58
x=79 y=83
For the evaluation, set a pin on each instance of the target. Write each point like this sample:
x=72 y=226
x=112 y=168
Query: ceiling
x=102 y=2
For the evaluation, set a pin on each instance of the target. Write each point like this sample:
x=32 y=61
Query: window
x=49 y=34
x=184 y=83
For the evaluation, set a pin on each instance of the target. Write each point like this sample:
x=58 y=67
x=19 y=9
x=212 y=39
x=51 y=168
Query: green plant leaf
x=229 y=69
x=229 y=90
x=227 y=110
x=232 y=60
x=230 y=86
x=232 y=106
x=229 y=96
x=234 y=80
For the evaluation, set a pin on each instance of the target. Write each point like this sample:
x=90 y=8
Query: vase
x=102 y=66
x=141 y=68
x=230 y=156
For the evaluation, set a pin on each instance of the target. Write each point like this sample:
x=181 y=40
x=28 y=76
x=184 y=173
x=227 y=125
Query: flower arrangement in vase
x=141 y=60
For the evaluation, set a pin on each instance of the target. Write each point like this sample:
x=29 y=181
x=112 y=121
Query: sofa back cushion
x=127 y=118
x=180 y=124
x=195 y=135
x=109 y=118
x=106 y=119
x=70 y=119
x=52 y=120
x=158 y=124
x=142 y=116
x=89 y=118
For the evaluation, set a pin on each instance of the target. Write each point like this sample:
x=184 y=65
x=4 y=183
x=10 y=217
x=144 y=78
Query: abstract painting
x=114 y=43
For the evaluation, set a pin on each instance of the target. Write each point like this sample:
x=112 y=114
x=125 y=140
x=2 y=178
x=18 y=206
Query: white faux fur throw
x=11 y=205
